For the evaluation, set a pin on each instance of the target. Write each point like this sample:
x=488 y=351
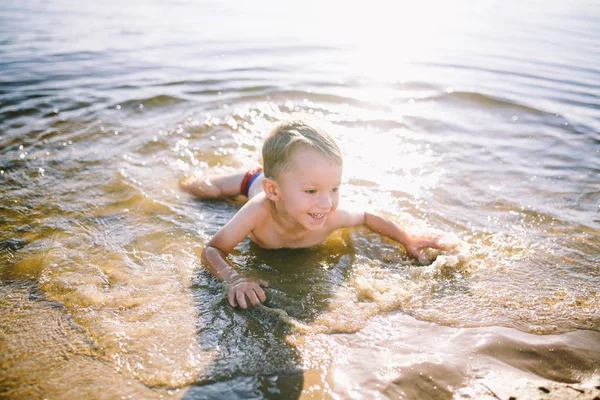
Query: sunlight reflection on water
x=478 y=119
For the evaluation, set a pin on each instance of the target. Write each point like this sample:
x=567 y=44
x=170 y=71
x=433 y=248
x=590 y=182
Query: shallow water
x=482 y=120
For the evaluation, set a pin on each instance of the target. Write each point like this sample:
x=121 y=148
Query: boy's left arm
x=412 y=242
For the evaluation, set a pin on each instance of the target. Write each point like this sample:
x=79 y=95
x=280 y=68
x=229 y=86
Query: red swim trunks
x=250 y=176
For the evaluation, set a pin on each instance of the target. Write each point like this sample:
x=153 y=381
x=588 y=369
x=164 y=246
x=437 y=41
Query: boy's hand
x=239 y=287
x=444 y=241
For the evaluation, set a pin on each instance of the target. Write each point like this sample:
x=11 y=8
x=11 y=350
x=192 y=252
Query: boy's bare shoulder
x=257 y=207
x=246 y=220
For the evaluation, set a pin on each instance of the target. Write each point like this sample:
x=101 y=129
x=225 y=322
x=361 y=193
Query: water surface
x=481 y=120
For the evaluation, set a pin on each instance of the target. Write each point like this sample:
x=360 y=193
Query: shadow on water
x=254 y=356
x=251 y=357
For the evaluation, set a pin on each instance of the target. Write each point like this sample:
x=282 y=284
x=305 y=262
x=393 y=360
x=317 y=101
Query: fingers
x=444 y=241
x=231 y=298
x=414 y=248
x=251 y=294
x=413 y=251
x=246 y=293
x=261 y=294
x=255 y=297
x=241 y=299
x=437 y=241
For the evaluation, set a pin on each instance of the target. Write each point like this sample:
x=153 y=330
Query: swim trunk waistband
x=250 y=176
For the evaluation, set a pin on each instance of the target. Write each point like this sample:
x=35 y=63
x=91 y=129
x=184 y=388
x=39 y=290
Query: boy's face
x=309 y=188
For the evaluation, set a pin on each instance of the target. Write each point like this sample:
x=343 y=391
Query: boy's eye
x=335 y=190
x=311 y=191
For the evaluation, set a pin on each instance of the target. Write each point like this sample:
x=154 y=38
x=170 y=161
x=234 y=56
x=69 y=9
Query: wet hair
x=290 y=135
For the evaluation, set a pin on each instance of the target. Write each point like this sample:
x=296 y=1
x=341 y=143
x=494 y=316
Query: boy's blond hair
x=286 y=137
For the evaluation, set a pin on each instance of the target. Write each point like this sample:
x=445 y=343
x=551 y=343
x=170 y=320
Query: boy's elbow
x=372 y=219
x=381 y=224
x=364 y=217
x=204 y=254
x=355 y=218
x=209 y=252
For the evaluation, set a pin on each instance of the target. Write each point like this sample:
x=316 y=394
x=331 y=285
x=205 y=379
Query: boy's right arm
x=214 y=257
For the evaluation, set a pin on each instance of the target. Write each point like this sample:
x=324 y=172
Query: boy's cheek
x=336 y=203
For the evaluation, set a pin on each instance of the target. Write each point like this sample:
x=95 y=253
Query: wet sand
x=476 y=363
x=63 y=362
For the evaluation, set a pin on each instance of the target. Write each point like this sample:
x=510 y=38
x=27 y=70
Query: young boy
x=293 y=202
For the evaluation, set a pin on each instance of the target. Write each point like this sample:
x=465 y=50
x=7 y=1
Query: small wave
x=214 y=86
x=249 y=69
x=21 y=98
x=412 y=85
x=127 y=194
x=74 y=56
x=416 y=123
x=6 y=84
x=10 y=165
x=483 y=100
x=189 y=82
x=206 y=92
x=259 y=88
x=223 y=91
x=19 y=112
x=296 y=96
x=162 y=100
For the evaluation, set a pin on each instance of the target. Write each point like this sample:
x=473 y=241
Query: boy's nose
x=325 y=201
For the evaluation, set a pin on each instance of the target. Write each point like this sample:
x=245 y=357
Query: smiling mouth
x=317 y=216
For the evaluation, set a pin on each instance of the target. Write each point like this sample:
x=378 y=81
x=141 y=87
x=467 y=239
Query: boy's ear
x=271 y=189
